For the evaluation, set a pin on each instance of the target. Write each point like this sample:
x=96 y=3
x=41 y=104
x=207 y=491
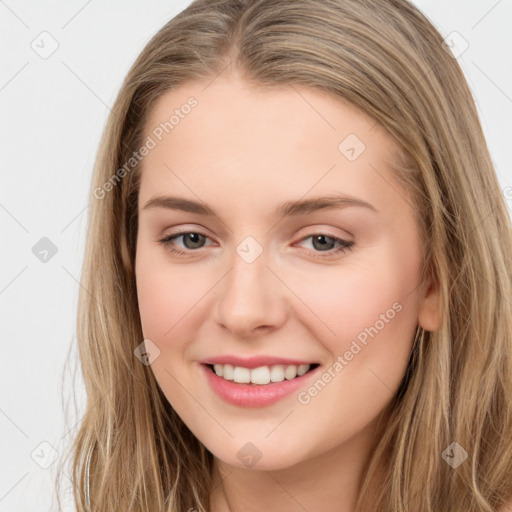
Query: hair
x=386 y=58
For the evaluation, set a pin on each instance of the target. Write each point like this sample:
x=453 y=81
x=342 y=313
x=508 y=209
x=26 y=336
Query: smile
x=261 y=375
x=263 y=392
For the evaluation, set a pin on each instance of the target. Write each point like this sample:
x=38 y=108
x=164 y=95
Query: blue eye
x=193 y=240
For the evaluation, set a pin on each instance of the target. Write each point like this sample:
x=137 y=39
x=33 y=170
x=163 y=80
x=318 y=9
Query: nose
x=252 y=300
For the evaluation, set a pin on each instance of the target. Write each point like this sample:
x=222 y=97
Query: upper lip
x=253 y=361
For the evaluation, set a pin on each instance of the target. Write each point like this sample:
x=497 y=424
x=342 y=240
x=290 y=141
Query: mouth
x=261 y=376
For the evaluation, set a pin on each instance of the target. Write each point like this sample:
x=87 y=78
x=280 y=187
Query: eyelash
x=345 y=246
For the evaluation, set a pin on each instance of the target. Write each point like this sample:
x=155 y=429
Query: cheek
x=173 y=304
x=157 y=305
x=367 y=306
x=165 y=294
x=168 y=297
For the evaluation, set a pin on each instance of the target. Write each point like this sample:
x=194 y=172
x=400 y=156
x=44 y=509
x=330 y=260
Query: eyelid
x=316 y=229
x=200 y=231
x=183 y=230
x=172 y=236
x=319 y=231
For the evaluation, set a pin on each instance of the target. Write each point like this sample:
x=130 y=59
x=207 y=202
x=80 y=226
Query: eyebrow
x=287 y=209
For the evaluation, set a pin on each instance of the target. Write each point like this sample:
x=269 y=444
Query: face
x=245 y=273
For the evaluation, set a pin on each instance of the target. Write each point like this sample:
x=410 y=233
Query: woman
x=297 y=280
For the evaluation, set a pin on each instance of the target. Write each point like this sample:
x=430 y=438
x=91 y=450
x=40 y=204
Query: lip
x=254 y=395
x=254 y=361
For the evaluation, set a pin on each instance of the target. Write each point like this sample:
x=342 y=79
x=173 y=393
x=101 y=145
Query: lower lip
x=253 y=395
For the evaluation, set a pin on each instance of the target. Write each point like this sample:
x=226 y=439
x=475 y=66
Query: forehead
x=213 y=138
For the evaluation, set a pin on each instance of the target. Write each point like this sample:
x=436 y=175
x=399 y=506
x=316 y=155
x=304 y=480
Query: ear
x=430 y=311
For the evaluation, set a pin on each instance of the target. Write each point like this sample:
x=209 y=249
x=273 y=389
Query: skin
x=243 y=151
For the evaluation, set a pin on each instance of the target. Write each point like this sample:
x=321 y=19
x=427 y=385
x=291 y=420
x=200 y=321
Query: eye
x=191 y=240
x=321 y=243
x=325 y=243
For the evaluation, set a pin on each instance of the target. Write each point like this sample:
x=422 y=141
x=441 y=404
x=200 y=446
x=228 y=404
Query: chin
x=255 y=456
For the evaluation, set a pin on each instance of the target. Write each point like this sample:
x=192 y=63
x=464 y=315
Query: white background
x=52 y=114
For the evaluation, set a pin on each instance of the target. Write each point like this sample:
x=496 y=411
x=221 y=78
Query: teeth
x=277 y=373
x=242 y=375
x=261 y=375
x=227 y=371
x=302 y=369
x=290 y=372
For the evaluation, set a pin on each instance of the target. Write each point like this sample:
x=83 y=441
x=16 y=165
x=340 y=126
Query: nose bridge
x=251 y=296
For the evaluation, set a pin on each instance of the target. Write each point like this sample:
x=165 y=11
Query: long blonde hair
x=386 y=58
